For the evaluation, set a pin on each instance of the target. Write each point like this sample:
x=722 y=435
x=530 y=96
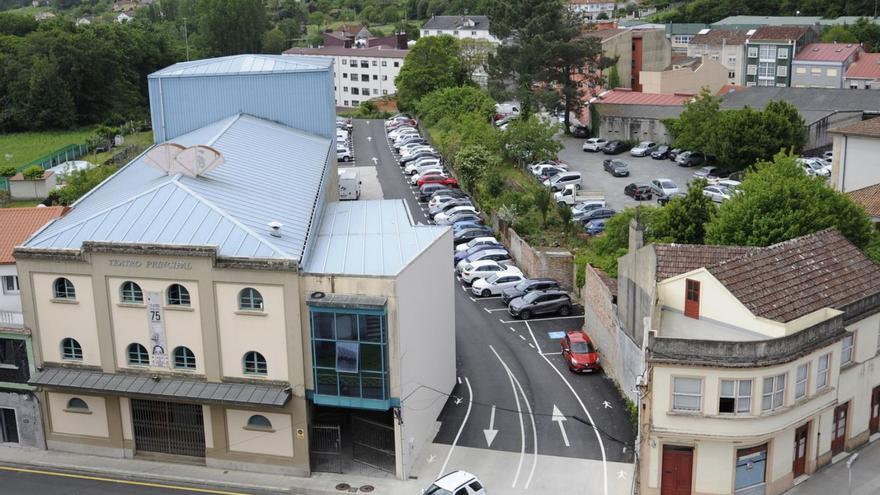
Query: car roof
x=483 y=262
x=578 y=336
x=454 y=480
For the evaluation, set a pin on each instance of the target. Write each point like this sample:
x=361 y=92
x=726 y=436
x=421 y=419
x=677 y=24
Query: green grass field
x=142 y=140
x=20 y=148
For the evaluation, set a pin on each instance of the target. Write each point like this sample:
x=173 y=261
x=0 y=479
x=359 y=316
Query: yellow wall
x=92 y=423
x=713 y=467
x=278 y=442
x=710 y=74
x=58 y=320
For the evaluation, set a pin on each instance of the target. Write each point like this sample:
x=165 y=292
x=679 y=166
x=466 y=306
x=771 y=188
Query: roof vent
x=703 y=31
x=174 y=159
x=275 y=228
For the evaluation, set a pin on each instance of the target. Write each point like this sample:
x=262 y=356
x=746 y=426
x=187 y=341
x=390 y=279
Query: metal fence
x=373 y=444
x=57 y=157
x=168 y=427
x=326 y=448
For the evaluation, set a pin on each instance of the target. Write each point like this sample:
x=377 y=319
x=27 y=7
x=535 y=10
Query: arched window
x=63 y=289
x=178 y=295
x=70 y=349
x=250 y=299
x=184 y=358
x=137 y=355
x=254 y=363
x=131 y=293
x=77 y=404
x=260 y=422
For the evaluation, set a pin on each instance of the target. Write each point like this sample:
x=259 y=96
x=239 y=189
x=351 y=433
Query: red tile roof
x=778 y=33
x=866 y=67
x=19 y=176
x=729 y=88
x=868 y=197
x=628 y=97
x=827 y=52
x=19 y=223
x=869 y=128
x=721 y=36
x=675 y=259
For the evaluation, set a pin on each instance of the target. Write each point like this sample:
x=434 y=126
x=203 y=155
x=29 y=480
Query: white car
x=594 y=144
x=716 y=193
x=664 y=187
x=538 y=168
x=442 y=218
x=402 y=130
x=414 y=167
x=494 y=285
x=480 y=269
x=643 y=149
x=437 y=202
x=477 y=241
x=729 y=184
x=414 y=179
x=343 y=154
x=415 y=150
x=815 y=167
x=456 y=483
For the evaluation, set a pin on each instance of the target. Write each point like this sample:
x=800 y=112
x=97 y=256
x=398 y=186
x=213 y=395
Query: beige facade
x=709 y=74
x=852 y=164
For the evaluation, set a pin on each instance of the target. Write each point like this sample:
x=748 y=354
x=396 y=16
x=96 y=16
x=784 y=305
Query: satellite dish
x=197 y=160
x=163 y=155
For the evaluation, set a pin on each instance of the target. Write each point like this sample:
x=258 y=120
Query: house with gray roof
x=460 y=27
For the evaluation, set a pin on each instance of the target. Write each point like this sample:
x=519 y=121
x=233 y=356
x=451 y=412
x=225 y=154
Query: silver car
x=664 y=187
x=643 y=149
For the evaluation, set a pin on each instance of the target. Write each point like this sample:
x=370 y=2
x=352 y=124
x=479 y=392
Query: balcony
x=11 y=319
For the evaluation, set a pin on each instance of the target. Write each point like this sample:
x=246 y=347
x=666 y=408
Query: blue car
x=476 y=249
x=595 y=227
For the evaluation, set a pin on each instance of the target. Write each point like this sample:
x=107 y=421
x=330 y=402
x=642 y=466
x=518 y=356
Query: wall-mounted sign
x=300 y=433
x=156 y=321
x=153 y=264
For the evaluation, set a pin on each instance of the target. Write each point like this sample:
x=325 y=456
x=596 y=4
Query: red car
x=438 y=179
x=579 y=352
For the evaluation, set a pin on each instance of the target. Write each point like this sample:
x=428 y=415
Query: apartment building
x=770 y=50
x=823 y=65
x=864 y=73
x=460 y=27
x=359 y=74
x=725 y=46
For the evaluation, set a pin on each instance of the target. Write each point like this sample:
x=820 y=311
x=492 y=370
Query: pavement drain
x=367 y=488
x=343 y=487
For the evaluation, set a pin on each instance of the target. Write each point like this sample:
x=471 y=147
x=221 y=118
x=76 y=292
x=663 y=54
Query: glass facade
x=350 y=357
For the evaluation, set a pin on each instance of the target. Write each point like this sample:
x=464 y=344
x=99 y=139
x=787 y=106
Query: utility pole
x=186 y=38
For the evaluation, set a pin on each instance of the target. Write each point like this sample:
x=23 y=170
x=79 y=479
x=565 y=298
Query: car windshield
x=644 y=144
x=618 y=164
x=492 y=278
x=582 y=347
x=531 y=296
x=522 y=285
x=436 y=490
x=667 y=184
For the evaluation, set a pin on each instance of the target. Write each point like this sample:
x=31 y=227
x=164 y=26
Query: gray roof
x=375 y=237
x=350 y=301
x=453 y=22
x=243 y=64
x=749 y=21
x=812 y=103
x=271 y=173
x=169 y=388
x=639 y=111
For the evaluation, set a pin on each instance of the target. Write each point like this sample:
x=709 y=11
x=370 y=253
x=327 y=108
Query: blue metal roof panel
x=244 y=64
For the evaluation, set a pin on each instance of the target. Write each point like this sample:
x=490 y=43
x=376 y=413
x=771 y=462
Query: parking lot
x=642 y=170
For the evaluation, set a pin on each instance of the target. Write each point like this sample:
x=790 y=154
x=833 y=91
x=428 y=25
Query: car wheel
x=561 y=203
x=525 y=314
x=486 y=293
x=565 y=310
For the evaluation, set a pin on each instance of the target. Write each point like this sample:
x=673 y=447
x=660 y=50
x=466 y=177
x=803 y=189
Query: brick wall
x=536 y=262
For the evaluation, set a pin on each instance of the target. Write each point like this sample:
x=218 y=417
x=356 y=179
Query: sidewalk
x=835 y=478
x=162 y=472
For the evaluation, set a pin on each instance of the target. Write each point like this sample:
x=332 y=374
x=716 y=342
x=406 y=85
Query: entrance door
x=168 y=428
x=692 y=298
x=874 y=422
x=838 y=437
x=678 y=464
x=751 y=471
x=8 y=426
x=799 y=466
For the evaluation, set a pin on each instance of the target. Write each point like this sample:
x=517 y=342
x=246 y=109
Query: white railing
x=11 y=319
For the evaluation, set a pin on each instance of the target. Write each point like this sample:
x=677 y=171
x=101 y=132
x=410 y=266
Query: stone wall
x=28 y=419
x=536 y=262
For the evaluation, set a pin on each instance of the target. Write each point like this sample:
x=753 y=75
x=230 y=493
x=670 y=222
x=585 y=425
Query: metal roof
x=368 y=238
x=169 y=388
x=812 y=103
x=243 y=64
x=629 y=97
x=271 y=173
x=866 y=67
x=447 y=22
x=827 y=52
x=639 y=111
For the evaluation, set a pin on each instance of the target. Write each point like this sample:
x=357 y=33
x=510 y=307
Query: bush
x=34 y=172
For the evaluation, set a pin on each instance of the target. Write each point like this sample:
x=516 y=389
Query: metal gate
x=168 y=428
x=373 y=444
x=325 y=448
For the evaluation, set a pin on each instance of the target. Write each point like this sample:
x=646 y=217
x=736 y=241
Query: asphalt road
x=511 y=372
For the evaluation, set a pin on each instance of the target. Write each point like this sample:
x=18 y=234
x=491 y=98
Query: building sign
x=156 y=321
x=347 y=357
x=154 y=264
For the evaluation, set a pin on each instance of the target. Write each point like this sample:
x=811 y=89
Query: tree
x=454 y=102
x=274 y=42
x=694 y=129
x=530 y=140
x=543 y=199
x=230 y=27
x=7 y=171
x=49 y=100
x=471 y=164
x=839 y=34
x=433 y=63
x=780 y=202
x=613 y=77
x=34 y=172
x=683 y=220
x=565 y=216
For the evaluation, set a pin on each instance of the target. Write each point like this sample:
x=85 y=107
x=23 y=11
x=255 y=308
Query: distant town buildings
x=770 y=50
x=460 y=27
x=593 y=9
x=823 y=65
x=864 y=73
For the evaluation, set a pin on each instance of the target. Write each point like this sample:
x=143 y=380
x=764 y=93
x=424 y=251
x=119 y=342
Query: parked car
x=467 y=253
x=595 y=227
x=815 y=167
x=428 y=190
x=457 y=483
x=614 y=147
x=661 y=153
x=413 y=168
x=596 y=214
x=615 y=167
x=493 y=285
x=466 y=235
x=540 y=302
x=594 y=144
x=343 y=154
x=664 y=200
x=538 y=168
x=445 y=203
x=638 y=192
x=586 y=206
x=438 y=179
x=479 y=269
x=559 y=181
x=690 y=159
x=425 y=153
x=479 y=241
x=579 y=131
x=463 y=216
x=498 y=255
x=711 y=173
x=550 y=172
x=730 y=185
x=663 y=187
x=644 y=148
x=467 y=223
x=579 y=352
x=429 y=172
x=716 y=193
x=525 y=286
x=446 y=217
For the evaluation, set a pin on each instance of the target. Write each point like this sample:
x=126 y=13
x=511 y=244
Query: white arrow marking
x=559 y=418
x=431 y=458
x=369 y=139
x=607 y=404
x=491 y=432
x=368 y=122
x=457 y=401
x=375 y=161
x=621 y=475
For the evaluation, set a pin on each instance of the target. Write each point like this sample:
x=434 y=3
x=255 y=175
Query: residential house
x=650 y=52
x=821 y=109
x=752 y=367
x=198 y=305
x=868 y=198
x=460 y=27
x=855 y=151
x=625 y=114
x=592 y=9
x=124 y=17
x=681 y=34
x=864 y=73
x=689 y=77
x=726 y=46
x=823 y=65
x=770 y=50
x=20 y=416
x=359 y=74
x=347 y=37
x=21 y=188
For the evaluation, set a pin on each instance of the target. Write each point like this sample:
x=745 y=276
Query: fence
x=57 y=157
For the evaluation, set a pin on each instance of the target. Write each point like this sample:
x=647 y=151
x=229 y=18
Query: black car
x=638 y=192
x=596 y=215
x=427 y=191
x=466 y=235
x=617 y=168
x=553 y=301
x=614 y=147
x=526 y=286
x=580 y=131
x=661 y=153
x=674 y=152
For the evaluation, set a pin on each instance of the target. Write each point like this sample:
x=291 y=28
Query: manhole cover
x=343 y=487
x=367 y=488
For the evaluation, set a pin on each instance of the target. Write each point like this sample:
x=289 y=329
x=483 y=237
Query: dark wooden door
x=874 y=422
x=678 y=465
x=799 y=466
x=838 y=434
x=692 y=298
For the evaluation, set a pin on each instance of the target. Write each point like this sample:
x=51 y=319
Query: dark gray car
x=541 y=302
x=526 y=286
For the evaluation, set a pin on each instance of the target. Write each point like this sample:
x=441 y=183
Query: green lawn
x=20 y=148
x=142 y=140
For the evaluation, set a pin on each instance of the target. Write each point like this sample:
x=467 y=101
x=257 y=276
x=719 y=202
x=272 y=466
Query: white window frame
x=775 y=392
x=753 y=52
x=10 y=284
x=767 y=53
x=782 y=53
x=752 y=70
x=801 y=383
x=847 y=349
x=675 y=394
x=345 y=61
x=781 y=71
x=823 y=374
x=832 y=72
x=742 y=404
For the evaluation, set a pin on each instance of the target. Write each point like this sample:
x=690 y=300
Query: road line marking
x=531 y=417
x=522 y=337
x=459 y=380
x=118 y=481
x=543 y=319
x=531 y=345
x=494 y=310
x=461 y=428
x=549 y=353
x=584 y=408
x=512 y=329
x=522 y=427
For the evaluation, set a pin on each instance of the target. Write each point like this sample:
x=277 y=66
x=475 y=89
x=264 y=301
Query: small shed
x=25 y=189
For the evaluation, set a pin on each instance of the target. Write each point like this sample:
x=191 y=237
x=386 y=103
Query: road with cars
x=518 y=418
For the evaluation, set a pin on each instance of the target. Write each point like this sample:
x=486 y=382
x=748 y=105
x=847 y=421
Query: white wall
x=9 y=301
x=854 y=164
x=858 y=379
x=92 y=423
x=278 y=441
x=463 y=33
x=382 y=85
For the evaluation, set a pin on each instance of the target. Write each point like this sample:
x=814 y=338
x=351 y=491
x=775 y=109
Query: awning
x=163 y=388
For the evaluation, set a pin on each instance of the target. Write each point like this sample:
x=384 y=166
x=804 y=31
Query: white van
x=559 y=181
x=349 y=185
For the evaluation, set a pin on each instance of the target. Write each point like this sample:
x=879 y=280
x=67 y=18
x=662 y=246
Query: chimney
x=275 y=228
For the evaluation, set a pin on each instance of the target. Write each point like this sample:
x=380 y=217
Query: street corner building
x=212 y=302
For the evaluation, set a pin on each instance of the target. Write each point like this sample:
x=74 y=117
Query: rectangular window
x=8 y=426
x=800 y=381
x=767 y=52
x=384 y=91
x=753 y=52
x=731 y=59
x=375 y=91
x=13 y=361
x=822 y=371
x=375 y=77
x=345 y=103
x=752 y=69
x=397 y=64
x=774 y=393
x=355 y=91
x=345 y=89
x=766 y=70
x=731 y=75
x=425 y=32
x=384 y=78
x=735 y=397
x=365 y=77
x=473 y=33
x=781 y=71
x=455 y=33
x=353 y=63
x=10 y=284
x=355 y=103
x=375 y=63
x=831 y=72
x=365 y=64
x=816 y=70
x=687 y=394
x=365 y=91
x=782 y=53
x=344 y=62
x=384 y=63
x=345 y=75
x=801 y=70
x=846 y=353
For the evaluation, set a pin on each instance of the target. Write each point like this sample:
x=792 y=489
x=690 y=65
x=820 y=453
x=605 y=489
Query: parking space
x=642 y=170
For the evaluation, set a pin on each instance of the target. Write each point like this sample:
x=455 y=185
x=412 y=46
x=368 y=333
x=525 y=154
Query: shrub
x=34 y=172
